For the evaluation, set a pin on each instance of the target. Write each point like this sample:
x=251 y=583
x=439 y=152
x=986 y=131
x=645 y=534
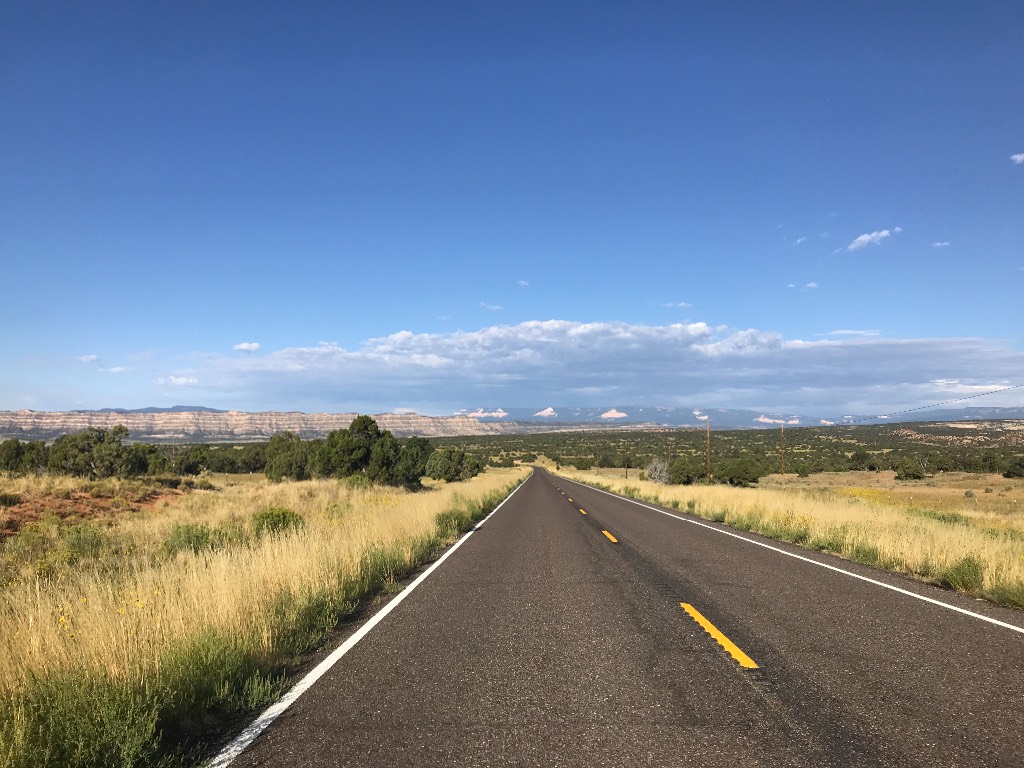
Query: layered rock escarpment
x=228 y=426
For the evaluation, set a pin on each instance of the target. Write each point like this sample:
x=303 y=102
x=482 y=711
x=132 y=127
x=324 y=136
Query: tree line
x=362 y=449
x=741 y=457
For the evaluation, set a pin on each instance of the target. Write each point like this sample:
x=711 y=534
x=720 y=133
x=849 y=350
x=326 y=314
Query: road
x=556 y=637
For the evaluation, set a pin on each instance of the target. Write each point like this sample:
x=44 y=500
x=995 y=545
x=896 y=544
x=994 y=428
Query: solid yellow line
x=611 y=538
x=582 y=512
x=745 y=661
x=570 y=501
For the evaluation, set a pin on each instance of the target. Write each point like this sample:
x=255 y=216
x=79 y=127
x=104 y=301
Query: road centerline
x=730 y=647
x=836 y=569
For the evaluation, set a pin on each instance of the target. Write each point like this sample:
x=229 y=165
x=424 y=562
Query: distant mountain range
x=172 y=409
x=721 y=418
x=181 y=423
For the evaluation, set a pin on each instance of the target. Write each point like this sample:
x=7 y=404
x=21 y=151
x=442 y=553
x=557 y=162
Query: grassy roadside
x=980 y=554
x=196 y=609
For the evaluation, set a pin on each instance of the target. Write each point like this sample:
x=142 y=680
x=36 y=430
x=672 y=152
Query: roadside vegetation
x=151 y=594
x=949 y=533
x=363 y=449
x=741 y=457
x=131 y=632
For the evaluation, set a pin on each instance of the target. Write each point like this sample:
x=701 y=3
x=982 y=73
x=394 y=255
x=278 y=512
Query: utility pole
x=709 y=450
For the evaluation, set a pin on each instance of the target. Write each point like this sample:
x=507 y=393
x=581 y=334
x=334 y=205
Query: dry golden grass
x=895 y=527
x=120 y=623
x=170 y=632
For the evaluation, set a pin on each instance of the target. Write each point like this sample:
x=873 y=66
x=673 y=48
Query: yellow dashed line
x=744 y=661
x=582 y=512
x=611 y=538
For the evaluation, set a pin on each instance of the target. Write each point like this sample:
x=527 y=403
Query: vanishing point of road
x=576 y=628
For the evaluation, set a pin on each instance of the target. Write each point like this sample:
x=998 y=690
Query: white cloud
x=525 y=364
x=827 y=423
x=88 y=358
x=178 y=381
x=791 y=285
x=872 y=238
x=247 y=346
x=115 y=369
x=810 y=286
x=767 y=420
x=480 y=413
x=523 y=283
x=676 y=304
x=943 y=244
x=614 y=414
x=491 y=307
x=957 y=388
x=800 y=240
x=1018 y=159
x=547 y=413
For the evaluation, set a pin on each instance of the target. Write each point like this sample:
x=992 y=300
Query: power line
x=840 y=422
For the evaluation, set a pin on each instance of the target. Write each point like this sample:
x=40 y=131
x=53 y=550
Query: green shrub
x=191 y=537
x=357 y=482
x=83 y=540
x=953 y=518
x=9 y=499
x=1010 y=595
x=868 y=554
x=965 y=575
x=276 y=520
x=75 y=718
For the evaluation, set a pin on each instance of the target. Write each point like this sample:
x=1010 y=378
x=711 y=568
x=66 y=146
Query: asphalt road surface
x=558 y=638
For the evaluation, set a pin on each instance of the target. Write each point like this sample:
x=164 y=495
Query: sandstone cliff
x=230 y=426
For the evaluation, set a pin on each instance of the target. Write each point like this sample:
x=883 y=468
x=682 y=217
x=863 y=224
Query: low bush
x=192 y=537
x=965 y=575
x=276 y=520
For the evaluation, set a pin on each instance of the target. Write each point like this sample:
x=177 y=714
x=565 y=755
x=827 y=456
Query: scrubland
x=127 y=638
x=965 y=532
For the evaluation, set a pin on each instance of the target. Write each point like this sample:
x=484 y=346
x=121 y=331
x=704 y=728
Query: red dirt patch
x=79 y=507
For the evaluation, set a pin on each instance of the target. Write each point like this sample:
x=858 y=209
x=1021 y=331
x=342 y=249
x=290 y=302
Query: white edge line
x=271 y=713
x=931 y=600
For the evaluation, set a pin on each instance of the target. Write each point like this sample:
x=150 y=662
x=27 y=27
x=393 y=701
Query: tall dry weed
x=168 y=635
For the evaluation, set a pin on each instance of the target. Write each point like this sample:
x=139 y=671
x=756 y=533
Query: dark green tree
x=1015 y=468
x=11 y=452
x=742 y=472
x=35 y=457
x=93 y=453
x=861 y=460
x=287 y=457
x=687 y=470
x=384 y=460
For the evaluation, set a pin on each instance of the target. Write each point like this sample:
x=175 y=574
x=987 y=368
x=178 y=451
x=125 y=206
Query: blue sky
x=436 y=206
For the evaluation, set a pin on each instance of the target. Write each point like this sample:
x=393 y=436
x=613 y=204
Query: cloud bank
x=600 y=363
